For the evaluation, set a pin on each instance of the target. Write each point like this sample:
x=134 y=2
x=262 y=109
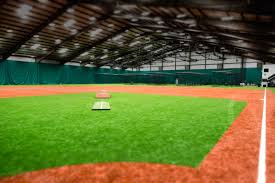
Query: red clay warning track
x=233 y=159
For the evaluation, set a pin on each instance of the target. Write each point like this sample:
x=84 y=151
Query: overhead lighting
x=157 y=19
x=63 y=50
x=119 y=58
x=52 y=24
x=111 y=25
x=36 y=36
x=43 y=1
x=92 y=56
x=44 y=49
x=70 y=10
x=35 y=46
x=192 y=25
x=9 y=31
x=69 y=23
x=57 y=41
x=160 y=22
x=84 y=54
x=24 y=10
x=73 y=31
x=208 y=37
x=95 y=32
x=104 y=56
x=117 y=11
x=159 y=31
x=158 y=50
x=92 y=19
x=227 y=18
x=105 y=50
x=181 y=15
x=134 y=43
x=239 y=41
x=148 y=46
x=116 y=51
x=145 y=13
x=76 y=44
x=134 y=19
x=117 y=37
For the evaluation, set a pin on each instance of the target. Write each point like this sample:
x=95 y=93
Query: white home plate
x=101 y=106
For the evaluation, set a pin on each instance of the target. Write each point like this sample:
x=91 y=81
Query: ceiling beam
x=78 y=52
x=154 y=56
x=38 y=29
x=68 y=39
x=255 y=6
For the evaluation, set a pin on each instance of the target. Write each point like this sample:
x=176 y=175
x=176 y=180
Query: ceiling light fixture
x=181 y=15
x=69 y=23
x=148 y=46
x=63 y=50
x=104 y=56
x=84 y=54
x=70 y=10
x=73 y=31
x=35 y=46
x=117 y=37
x=24 y=10
x=227 y=18
x=134 y=43
x=92 y=19
x=57 y=41
x=134 y=19
x=145 y=13
x=117 y=11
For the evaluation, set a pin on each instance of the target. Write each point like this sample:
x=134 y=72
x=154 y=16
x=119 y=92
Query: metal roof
x=135 y=32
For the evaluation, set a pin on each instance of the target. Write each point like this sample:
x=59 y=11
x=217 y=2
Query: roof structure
x=129 y=33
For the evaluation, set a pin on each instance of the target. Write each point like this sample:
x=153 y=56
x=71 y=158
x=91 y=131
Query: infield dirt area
x=233 y=159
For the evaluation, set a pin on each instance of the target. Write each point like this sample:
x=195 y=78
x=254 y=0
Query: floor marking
x=101 y=104
x=262 y=152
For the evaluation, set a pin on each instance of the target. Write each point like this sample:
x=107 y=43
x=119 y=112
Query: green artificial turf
x=48 y=131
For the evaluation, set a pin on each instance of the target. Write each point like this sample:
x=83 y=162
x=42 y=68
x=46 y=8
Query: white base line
x=262 y=152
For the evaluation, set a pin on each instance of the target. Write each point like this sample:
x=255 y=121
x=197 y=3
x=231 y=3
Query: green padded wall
x=14 y=72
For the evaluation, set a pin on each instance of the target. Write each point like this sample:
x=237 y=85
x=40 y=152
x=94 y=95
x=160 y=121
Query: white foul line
x=262 y=152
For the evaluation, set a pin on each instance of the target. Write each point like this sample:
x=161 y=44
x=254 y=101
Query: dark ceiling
x=131 y=33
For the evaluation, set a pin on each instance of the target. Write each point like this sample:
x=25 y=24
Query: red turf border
x=233 y=159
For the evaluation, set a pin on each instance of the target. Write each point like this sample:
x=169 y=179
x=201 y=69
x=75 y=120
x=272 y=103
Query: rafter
x=38 y=29
x=68 y=39
x=90 y=46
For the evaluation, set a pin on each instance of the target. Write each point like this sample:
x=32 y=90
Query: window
x=266 y=70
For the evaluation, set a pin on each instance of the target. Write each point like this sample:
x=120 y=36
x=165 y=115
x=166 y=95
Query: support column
x=223 y=61
x=175 y=61
x=205 y=59
x=162 y=64
x=190 y=57
x=242 y=70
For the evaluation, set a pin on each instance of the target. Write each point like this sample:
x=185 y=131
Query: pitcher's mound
x=101 y=106
x=103 y=94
